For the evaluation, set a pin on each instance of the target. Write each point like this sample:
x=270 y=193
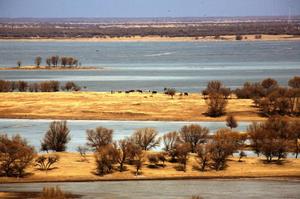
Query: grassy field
x=72 y=168
x=118 y=106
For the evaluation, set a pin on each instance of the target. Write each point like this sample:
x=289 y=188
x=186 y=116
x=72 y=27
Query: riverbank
x=161 y=39
x=71 y=168
x=57 y=68
x=118 y=106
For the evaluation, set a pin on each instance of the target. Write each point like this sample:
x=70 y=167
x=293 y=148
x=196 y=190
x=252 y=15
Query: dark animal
x=186 y=94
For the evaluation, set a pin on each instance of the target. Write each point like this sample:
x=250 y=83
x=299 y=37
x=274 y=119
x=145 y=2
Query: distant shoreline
x=58 y=68
x=161 y=39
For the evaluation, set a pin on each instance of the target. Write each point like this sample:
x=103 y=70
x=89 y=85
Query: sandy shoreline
x=70 y=168
x=160 y=39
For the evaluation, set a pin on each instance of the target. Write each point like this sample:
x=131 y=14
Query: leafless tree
x=38 y=61
x=57 y=136
x=170 y=139
x=15 y=155
x=193 y=135
x=99 y=137
x=146 y=138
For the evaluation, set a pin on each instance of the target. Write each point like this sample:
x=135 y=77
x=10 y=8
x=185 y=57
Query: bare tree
x=193 y=135
x=38 y=61
x=48 y=61
x=57 y=136
x=170 y=140
x=216 y=105
x=223 y=144
x=15 y=155
x=124 y=147
x=99 y=137
x=146 y=138
x=203 y=155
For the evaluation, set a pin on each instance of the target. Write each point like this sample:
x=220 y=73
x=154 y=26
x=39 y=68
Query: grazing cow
x=127 y=91
x=139 y=91
x=131 y=91
x=186 y=94
x=154 y=92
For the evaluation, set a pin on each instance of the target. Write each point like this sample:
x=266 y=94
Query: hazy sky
x=147 y=8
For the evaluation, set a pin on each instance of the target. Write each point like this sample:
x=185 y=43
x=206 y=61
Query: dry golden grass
x=107 y=106
x=72 y=168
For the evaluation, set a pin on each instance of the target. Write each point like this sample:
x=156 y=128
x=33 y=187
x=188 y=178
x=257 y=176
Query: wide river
x=186 y=66
x=34 y=130
x=172 y=189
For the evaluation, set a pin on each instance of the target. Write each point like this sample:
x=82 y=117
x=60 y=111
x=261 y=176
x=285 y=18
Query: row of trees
x=268 y=96
x=273 y=138
x=271 y=98
x=54 y=61
x=46 y=86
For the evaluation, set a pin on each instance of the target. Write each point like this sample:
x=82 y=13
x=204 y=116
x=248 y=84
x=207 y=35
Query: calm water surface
x=187 y=66
x=171 y=189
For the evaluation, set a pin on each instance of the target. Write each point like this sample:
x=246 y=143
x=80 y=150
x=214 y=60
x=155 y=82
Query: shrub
x=5 y=86
x=56 y=137
x=105 y=158
x=15 y=155
x=216 y=105
x=82 y=150
x=22 y=86
x=238 y=37
x=193 y=135
x=146 y=138
x=71 y=86
x=153 y=160
x=231 y=122
x=49 y=86
x=294 y=82
x=162 y=157
x=45 y=162
x=182 y=155
x=99 y=137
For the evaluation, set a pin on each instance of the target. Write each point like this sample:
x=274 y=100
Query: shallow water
x=34 y=130
x=172 y=189
x=187 y=66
